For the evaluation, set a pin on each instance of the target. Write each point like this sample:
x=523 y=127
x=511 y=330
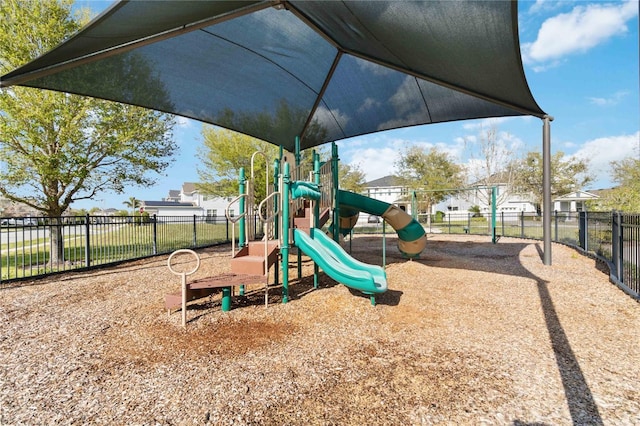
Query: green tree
x=351 y=177
x=625 y=196
x=132 y=203
x=224 y=153
x=58 y=148
x=567 y=175
x=490 y=164
x=432 y=173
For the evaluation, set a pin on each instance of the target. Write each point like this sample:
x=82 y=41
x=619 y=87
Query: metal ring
x=184 y=251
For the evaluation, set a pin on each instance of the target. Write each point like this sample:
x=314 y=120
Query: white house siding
x=573 y=202
x=211 y=206
x=167 y=209
x=459 y=204
x=215 y=207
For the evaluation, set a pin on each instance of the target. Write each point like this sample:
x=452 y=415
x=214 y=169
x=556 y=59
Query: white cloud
x=485 y=123
x=376 y=162
x=183 y=121
x=544 y=5
x=578 y=31
x=602 y=151
x=368 y=104
x=610 y=101
x=373 y=68
x=324 y=115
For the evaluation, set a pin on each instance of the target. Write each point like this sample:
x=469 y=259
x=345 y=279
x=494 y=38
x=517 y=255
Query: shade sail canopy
x=321 y=70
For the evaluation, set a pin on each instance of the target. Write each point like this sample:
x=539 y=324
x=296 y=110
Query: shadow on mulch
x=455 y=255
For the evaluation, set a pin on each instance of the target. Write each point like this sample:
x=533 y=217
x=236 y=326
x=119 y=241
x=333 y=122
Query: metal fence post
x=582 y=230
x=155 y=234
x=522 y=224
x=615 y=242
x=502 y=222
x=87 y=241
x=620 y=243
x=555 y=215
x=195 y=237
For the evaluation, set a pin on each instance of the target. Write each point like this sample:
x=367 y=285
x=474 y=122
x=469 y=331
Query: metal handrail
x=251 y=185
x=183 y=278
x=267 y=220
x=234 y=220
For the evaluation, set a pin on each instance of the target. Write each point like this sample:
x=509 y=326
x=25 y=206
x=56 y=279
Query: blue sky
x=581 y=62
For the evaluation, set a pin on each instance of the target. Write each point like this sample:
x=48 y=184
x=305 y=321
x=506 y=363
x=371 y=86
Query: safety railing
x=611 y=236
x=42 y=246
x=235 y=219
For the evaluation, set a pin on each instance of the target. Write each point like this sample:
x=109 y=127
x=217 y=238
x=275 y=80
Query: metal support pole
x=285 y=234
x=494 y=239
x=241 y=186
x=242 y=234
x=297 y=151
x=336 y=208
x=276 y=219
x=316 y=210
x=414 y=205
x=546 y=189
x=384 y=244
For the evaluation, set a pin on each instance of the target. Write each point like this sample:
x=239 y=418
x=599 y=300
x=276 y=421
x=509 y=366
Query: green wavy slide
x=412 y=238
x=337 y=263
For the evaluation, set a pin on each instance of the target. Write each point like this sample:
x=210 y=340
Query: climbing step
x=206 y=286
x=248 y=264
x=304 y=222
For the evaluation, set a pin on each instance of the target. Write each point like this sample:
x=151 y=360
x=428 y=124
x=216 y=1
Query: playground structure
x=293 y=213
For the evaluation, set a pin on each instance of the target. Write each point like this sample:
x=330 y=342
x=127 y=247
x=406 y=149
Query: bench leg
x=226 y=299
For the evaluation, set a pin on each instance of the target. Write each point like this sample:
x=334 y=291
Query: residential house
x=212 y=206
x=390 y=190
x=170 y=208
x=187 y=201
x=573 y=202
x=506 y=201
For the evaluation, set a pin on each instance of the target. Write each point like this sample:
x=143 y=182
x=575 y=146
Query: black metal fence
x=625 y=251
x=31 y=247
x=612 y=236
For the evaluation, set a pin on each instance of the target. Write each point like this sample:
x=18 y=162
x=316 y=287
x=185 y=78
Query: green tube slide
x=308 y=190
x=337 y=264
x=412 y=238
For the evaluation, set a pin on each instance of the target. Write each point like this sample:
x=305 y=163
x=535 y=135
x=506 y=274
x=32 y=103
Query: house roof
x=384 y=182
x=166 y=204
x=577 y=196
x=188 y=188
x=174 y=193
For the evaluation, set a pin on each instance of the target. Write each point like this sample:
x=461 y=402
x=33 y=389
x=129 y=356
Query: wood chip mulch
x=472 y=333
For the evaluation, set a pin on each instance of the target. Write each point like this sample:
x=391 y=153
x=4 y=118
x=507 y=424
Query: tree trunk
x=56 y=255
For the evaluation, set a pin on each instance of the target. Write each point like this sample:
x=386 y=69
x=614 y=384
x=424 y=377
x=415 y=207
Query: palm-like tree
x=132 y=203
